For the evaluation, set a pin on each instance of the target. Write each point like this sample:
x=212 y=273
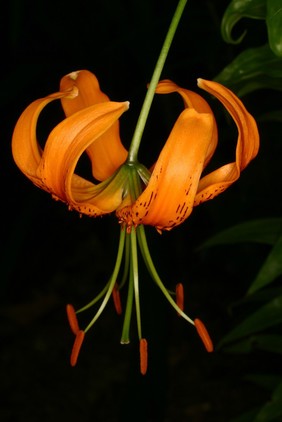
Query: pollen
x=204 y=335
x=76 y=347
x=116 y=299
x=143 y=349
x=179 y=296
x=72 y=319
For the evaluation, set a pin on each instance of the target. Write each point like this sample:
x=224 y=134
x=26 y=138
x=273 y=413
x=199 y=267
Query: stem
x=135 y=143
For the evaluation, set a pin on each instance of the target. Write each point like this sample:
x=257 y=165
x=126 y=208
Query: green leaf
x=271 y=268
x=267 y=316
x=270 y=411
x=273 y=409
x=269 y=343
x=266 y=342
x=245 y=417
x=238 y=9
x=253 y=69
x=274 y=26
x=264 y=231
x=267 y=381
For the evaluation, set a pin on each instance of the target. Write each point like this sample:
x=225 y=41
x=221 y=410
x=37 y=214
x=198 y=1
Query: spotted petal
x=193 y=100
x=169 y=197
x=65 y=145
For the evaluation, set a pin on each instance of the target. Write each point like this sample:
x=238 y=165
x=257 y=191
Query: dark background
x=50 y=256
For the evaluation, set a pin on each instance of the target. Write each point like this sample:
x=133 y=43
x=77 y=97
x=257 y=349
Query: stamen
x=76 y=347
x=143 y=349
x=72 y=319
x=204 y=335
x=179 y=290
x=116 y=299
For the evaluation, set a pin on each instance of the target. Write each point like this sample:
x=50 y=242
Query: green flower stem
x=135 y=143
x=152 y=269
x=112 y=279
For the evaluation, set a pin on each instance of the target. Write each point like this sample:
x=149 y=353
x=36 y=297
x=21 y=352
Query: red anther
x=116 y=299
x=76 y=347
x=72 y=319
x=143 y=349
x=179 y=290
x=204 y=335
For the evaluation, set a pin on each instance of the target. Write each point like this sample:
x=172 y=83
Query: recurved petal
x=169 y=197
x=193 y=100
x=65 y=145
x=25 y=148
x=190 y=98
x=247 y=143
x=107 y=153
x=89 y=92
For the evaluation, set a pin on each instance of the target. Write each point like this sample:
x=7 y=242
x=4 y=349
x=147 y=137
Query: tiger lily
x=163 y=197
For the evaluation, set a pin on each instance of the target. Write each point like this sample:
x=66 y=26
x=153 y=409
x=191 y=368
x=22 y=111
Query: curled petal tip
x=74 y=75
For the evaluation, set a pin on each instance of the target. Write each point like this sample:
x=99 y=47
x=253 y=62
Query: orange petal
x=169 y=197
x=107 y=153
x=65 y=145
x=247 y=143
x=89 y=92
x=193 y=100
x=25 y=148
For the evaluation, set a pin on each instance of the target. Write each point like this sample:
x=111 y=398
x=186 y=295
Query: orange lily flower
x=91 y=125
x=163 y=198
x=175 y=186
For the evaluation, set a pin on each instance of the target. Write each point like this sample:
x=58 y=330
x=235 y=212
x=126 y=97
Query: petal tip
x=199 y=81
x=73 y=75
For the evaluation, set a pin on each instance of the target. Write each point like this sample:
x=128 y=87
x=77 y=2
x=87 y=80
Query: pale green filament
x=126 y=263
x=125 y=335
x=112 y=280
x=142 y=241
x=135 y=276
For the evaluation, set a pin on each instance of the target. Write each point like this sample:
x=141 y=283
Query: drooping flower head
x=163 y=198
